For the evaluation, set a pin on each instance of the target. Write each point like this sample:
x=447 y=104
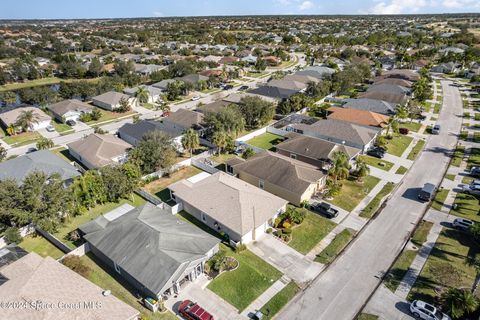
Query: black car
x=31 y=149
x=377 y=153
x=324 y=209
x=71 y=122
x=243 y=88
x=228 y=87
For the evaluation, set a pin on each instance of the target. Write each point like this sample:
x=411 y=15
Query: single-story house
x=154 y=93
x=10 y=118
x=133 y=132
x=288 y=84
x=110 y=100
x=153 y=250
x=319 y=72
x=98 y=150
x=338 y=131
x=212 y=107
x=69 y=109
x=147 y=69
x=404 y=74
x=228 y=60
x=163 y=85
x=363 y=117
x=393 y=81
x=43 y=160
x=272 y=92
x=35 y=279
x=314 y=151
x=394 y=98
x=449 y=67
x=227 y=204
x=192 y=78
x=389 y=88
x=372 y=105
x=283 y=176
x=181 y=120
x=306 y=79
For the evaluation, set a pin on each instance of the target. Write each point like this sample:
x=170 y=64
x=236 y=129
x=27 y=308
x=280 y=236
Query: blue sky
x=48 y=9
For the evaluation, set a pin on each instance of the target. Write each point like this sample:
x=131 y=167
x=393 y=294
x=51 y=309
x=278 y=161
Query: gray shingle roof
x=111 y=97
x=62 y=107
x=139 y=129
x=43 y=160
x=395 y=98
x=390 y=88
x=372 y=105
x=151 y=244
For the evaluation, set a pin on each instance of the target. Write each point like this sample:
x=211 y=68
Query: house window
x=261 y=184
x=204 y=218
x=293 y=156
x=117 y=268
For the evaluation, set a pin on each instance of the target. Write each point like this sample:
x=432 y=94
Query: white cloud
x=398 y=6
x=305 y=5
x=457 y=3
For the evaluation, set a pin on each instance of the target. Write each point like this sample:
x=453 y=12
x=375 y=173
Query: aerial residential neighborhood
x=217 y=160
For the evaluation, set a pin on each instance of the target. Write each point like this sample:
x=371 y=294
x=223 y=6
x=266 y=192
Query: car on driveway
x=195 y=98
x=31 y=149
x=375 y=152
x=423 y=310
x=324 y=209
x=71 y=123
x=192 y=311
x=50 y=128
x=228 y=87
x=462 y=224
x=473 y=189
x=475 y=171
x=243 y=88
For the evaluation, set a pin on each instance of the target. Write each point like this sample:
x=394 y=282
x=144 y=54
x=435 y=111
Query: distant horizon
x=122 y=9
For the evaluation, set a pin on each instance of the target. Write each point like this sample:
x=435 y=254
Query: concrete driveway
x=387 y=306
x=48 y=135
x=292 y=263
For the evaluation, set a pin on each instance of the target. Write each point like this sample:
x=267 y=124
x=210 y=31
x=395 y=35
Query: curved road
x=342 y=289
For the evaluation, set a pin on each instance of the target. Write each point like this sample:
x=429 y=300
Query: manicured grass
x=463 y=135
x=458 y=156
x=377 y=163
x=310 y=232
x=335 y=247
x=265 y=141
x=108 y=279
x=467 y=206
x=477 y=116
x=412 y=126
x=221 y=158
x=467 y=180
x=257 y=74
x=399 y=269
x=274 y=305
x=450 y=176
x=367 y=316
x=421 y=232
x=353 y=192
x=110 y=116
x=373 y=206
x=398 y=144
x=75 y=222
x=436 y=108
x=446 y=267
x=41 y=246
x=22 y=139
x=243 y=285
x=401 y=170
x=440 y=197
x=473 y=158
x=37 y=82
x=427 y=106
x=61 y=127
x=159 y=187
x=476 y=137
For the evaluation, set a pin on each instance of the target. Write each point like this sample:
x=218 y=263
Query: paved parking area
x=293 y=264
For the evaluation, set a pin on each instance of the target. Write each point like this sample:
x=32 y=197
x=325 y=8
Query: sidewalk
x=325 y=242
x=266 y=296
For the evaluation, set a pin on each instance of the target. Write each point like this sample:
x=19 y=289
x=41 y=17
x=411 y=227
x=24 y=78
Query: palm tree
x=45 y=143
x=165 y=108
x=220 y=139
x=142 y=95
x=26 y=119
x=190 y=140
x=474 y=261
x=402 y=112
x=392 y=125
x=340 y=167
x=362 y=169
x=458 y=302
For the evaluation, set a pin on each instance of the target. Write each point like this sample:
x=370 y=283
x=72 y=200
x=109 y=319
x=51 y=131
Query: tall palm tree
x=340 y=167
x=26 y=119
x=190 y=140
x=362 y=169
x=402 y=112
x=475 y=263
x=458 y=302
x=220 y=139
x=142 y=95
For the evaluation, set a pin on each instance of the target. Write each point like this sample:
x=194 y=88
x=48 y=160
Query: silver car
x=473 y=189
x=423 y=310
x=463 y=224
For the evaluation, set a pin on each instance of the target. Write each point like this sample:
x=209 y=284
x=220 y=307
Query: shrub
x=77 y=265
x=240 y=248
x=287 y=231
x=278 y=222
x=12 y=235
x=99 y=130
x=85 y=117
x=216 y=261
x=74 y=236
x=287 y=225
x=269 y=230
x=248 y=153
x=305 y=204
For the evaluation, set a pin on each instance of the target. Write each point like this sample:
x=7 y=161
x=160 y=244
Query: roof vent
x=106 y=293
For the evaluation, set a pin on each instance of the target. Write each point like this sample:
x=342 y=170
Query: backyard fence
x=53 y=240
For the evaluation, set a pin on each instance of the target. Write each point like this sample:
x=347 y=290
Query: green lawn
x=473 y=158
x=74 y=222
x=312 y=230
x=335 y=247
x=37 y=82
x=265 y=141
x=446 y=267
x=436 y=108
x=108 y=279
x=450 y=176
x=257 y=74
x=467 y=207
x=477 y=116
x=398 y=144
x=353 y=192
x=440 y=197
x=427 y=106
x=373 y=206
x=61 y=127
x=110 y=116
x=377 y=163
x=476 y=137
x=367 y=316
x=243 y=285
x=411 y=126
x=399 y=269
x=41 y=246
x=458 y=156
x=421 y=232
x=401 y=170
x=416 y=150
x=463 y=135
x=22 y=139
x=274 y=305
x=159 y=187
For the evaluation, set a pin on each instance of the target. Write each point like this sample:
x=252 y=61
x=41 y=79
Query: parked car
x=50 y=128
x=436 y=129
x=258 y=315
x=324 y=209
x=243 y=88
x=475 y=182
x=462 y=224
x=192 y=311
x=427 y=193
x=423 y=310
x=377 y=153
x=475 y=171
x=403 y=131
x=31 y=149
x=71 y=123
x=228 y=87
x=473 y=189
x=195 y=98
